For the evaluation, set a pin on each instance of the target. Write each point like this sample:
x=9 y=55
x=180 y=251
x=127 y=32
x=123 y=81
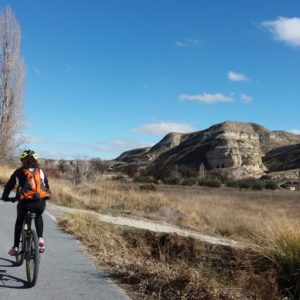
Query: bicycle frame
x=27 y=230
x=30 y=249
x=29 y=246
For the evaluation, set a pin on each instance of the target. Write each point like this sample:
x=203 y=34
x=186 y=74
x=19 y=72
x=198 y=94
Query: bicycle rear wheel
x=32 y=258
x=21 y=254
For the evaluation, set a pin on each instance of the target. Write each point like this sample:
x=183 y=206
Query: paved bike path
x=65 y=272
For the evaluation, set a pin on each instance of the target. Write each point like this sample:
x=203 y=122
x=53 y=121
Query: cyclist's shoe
x=41 y=245
x=13 y=251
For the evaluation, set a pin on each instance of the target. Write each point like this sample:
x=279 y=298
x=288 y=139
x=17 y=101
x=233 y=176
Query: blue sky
x=107 y=76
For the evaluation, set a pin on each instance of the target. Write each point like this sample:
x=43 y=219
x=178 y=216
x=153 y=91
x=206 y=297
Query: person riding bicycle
x=33 y=189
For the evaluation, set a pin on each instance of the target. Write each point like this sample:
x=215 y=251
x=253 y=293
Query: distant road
x=65 y=272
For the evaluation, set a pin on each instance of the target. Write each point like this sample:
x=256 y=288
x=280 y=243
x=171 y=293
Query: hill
x=234 y=148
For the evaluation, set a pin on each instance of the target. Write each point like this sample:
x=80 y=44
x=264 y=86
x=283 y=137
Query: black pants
x=38 y=206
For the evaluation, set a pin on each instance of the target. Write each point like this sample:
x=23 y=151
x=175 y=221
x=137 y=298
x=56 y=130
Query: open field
x=166 y=266
x=234 y=213
x=239 y=214
x=230 y=212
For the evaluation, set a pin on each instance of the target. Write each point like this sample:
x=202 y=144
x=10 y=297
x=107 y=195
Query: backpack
x=34 y=187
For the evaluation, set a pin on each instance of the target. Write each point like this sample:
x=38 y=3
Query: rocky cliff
x=239 y=149
x=283 y=158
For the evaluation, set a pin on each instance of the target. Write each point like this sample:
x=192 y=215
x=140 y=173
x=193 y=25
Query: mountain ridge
x=238 y=148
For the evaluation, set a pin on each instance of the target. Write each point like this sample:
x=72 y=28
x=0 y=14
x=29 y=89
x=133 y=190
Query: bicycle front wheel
x=21 y=254
x=32 y=258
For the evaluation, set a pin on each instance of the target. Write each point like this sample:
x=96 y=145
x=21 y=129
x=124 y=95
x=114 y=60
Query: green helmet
x=28 y=153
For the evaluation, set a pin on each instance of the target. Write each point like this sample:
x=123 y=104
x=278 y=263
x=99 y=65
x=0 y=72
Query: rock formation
x=238 y=149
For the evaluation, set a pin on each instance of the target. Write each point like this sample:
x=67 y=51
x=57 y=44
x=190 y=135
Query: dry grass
x=267 y=220
x=107 y=196
x=167 y=266
x=279 y=242
x=234 y=213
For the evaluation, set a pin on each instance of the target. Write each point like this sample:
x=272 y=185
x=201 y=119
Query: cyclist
x=33 y=189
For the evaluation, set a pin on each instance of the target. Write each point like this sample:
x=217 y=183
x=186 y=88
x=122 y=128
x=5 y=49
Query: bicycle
x=29 y=248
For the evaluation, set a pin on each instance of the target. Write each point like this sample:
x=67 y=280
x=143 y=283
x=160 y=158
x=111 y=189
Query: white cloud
x=206 y=98
x=188 y=42
x=164 y=128
x=246 y=99
x=285 y=29
x=233 y=76
x=295 y=131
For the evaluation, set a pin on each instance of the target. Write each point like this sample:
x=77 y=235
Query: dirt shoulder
x=153 y=226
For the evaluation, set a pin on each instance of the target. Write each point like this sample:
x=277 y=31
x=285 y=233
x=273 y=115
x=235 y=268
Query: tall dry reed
x=279 y=243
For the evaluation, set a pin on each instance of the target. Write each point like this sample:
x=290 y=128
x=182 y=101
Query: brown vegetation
x=167 y=266
x=231 y=212
x=267 y=271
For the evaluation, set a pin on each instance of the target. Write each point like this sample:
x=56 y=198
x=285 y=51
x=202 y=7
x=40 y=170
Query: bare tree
x=80 y=171
x=63 y=166
x=99 y=165
x=11 y=83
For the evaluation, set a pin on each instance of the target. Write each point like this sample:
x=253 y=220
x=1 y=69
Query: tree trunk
x=11 y=83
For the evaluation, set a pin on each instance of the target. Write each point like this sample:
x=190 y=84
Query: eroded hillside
x=238 y=149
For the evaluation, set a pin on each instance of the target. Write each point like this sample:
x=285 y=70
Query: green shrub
x=188 y=181
x=143 y=179
x=233 y=184
x=271 y=185
x=187 y=171
x=258 y=185
x=243 y=184
x=210 y=182
x=173 y=181
x=253 y=184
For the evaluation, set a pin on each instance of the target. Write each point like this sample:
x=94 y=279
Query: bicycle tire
x=32 y=258
x=21 y=254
